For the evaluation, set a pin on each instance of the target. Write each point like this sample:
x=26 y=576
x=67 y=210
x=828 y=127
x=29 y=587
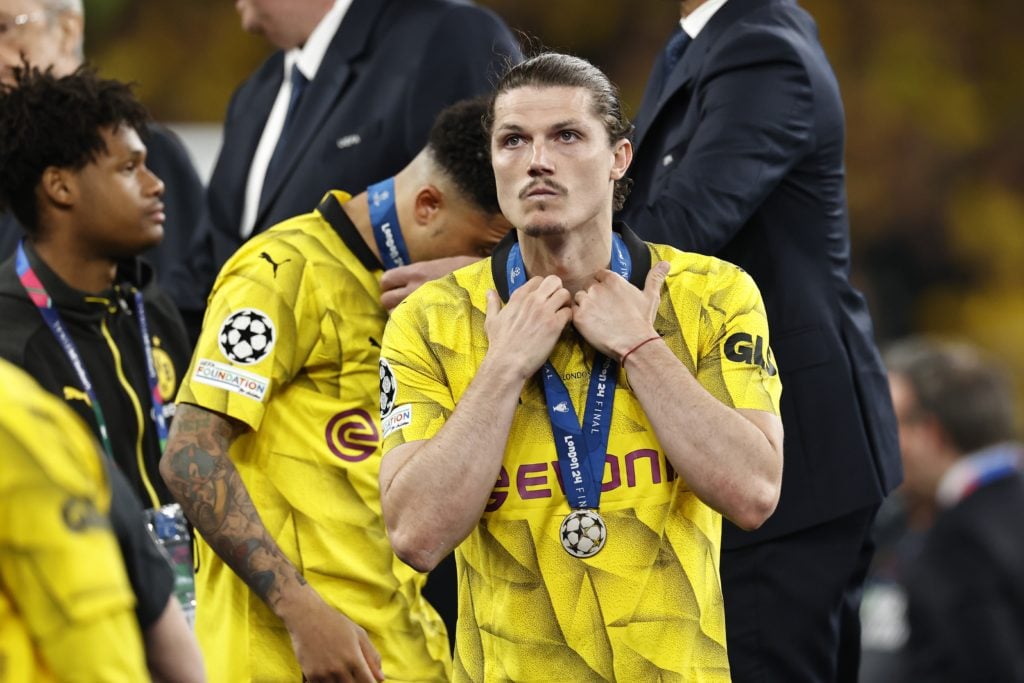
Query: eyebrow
x=515 y=128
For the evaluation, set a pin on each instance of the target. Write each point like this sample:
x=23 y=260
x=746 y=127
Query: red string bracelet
x=626 y=355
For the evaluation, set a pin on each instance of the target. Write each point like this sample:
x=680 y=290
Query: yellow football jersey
x=65 y=602
x=290 y=346
x=648 y=606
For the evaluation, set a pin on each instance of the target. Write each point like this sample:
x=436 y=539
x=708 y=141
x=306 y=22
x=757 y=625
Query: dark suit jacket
x=183 y=197
x=965 y=592
x=391 y=67
x=741 y=157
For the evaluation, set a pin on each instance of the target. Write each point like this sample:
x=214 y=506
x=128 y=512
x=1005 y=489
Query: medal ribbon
x=581 y=449
x=386 y=230
x=37 y=293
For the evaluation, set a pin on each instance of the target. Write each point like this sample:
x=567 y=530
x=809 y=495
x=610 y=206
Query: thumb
x=493 y=303
x=656 y=278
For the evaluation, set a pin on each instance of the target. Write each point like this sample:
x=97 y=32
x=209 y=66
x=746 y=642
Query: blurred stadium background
x=935 y=150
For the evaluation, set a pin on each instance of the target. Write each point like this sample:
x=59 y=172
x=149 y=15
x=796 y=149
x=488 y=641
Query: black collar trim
x=330 y=209
x=639 y=254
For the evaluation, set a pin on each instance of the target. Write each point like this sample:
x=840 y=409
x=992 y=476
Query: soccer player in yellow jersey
x=274 y=454
x=65 y=603
x=577 y=412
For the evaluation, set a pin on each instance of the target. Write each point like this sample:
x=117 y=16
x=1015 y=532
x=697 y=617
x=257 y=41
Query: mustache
x=543 y=182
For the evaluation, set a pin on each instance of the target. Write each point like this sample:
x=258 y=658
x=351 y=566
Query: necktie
x=299 y=83
x=673 y=53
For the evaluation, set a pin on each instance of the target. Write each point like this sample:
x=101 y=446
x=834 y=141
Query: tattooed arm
x=206 y=483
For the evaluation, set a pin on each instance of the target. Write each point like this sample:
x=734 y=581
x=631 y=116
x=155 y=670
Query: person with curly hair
x=82 y=313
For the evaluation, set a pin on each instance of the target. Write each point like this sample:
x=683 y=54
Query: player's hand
x=329 y=646
x=614 y=316
x=522 y=333
x=398 y=283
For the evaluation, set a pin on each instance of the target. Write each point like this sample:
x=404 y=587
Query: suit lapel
x=323 y=92
x=689 y=66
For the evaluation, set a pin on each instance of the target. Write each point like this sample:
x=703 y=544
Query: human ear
x=58 y=186
x=428 y=204
x=623 y=158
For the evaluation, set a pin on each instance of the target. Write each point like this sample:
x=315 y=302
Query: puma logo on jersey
x=76 y=394
x=264 y=255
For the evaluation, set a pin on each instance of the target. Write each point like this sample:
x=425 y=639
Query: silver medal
x=583 y=533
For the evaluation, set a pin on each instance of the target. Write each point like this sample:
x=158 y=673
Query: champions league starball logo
x=246 y=336
x=388 y=388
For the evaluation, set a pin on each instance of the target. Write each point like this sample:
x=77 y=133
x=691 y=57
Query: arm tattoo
x=206 y=483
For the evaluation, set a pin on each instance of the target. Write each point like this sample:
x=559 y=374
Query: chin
x=541 y=229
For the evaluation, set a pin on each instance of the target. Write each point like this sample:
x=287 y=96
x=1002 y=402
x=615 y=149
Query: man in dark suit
x=51 y=35
x=740 y=155
x=965 y=585
x=374 y=74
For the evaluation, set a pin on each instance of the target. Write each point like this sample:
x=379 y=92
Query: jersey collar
x=330 y=209
x=639 y=253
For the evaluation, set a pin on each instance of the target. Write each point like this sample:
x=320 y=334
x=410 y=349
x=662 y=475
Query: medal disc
x=583 y=533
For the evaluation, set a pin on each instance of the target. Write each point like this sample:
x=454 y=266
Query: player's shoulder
x=287 y=250
x=712 y=270
x=32 y=420
x=449 y=295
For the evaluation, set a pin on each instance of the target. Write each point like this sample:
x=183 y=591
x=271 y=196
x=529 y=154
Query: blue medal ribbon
x=38 y=295
x=581 y=449
x=384 y=220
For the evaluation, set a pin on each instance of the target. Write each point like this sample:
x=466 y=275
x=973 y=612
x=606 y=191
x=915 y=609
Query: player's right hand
x=523 y=332
x=330 y=647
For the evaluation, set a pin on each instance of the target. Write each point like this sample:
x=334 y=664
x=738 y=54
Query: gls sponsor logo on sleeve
x=743 y=348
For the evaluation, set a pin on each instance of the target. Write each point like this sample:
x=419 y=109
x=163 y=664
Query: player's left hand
x=613 y=315
x=398 y=283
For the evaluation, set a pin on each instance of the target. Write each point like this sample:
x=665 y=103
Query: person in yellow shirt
x=576 y=414
x=274 y=452
x=66 y=609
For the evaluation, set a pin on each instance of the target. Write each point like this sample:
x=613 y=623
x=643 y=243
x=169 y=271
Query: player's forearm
x=172 y=652
x=202 y=478
x=436 y=494
x=727 y=460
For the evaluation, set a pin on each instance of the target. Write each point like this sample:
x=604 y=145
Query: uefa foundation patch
x=399 y=417
x=231 y=379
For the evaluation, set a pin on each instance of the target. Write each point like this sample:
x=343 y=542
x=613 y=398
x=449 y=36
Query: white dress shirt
x=308 y=58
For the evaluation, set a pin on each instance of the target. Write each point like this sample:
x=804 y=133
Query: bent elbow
x=410 y=549
x=758 y=507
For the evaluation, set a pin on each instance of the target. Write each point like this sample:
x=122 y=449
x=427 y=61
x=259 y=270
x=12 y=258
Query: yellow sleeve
x=415 y=398
x=736 y=359
x=261 y=323
x=65 y=590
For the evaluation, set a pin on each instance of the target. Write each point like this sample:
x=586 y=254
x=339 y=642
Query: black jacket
x=965 y=591
x=105 y=330
x=741 y=157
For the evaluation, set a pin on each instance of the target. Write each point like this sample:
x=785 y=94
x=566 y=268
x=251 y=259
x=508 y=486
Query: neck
x=358 y=211
x=686 y=7
x=86 y=273
x=575 y=257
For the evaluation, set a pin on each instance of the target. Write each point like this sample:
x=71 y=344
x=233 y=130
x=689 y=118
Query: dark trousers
x=792 y=603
